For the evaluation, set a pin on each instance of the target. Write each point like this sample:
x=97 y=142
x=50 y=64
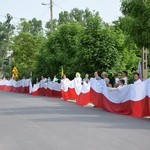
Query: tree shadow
x=61 y=111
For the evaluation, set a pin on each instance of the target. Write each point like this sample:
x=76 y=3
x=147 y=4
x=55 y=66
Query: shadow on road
x=70 y=112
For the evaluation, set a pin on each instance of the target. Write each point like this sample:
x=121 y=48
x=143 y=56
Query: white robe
x=126 y=80
x=137 y=81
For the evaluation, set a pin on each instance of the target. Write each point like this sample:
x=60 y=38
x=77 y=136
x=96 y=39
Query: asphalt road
x=40 y=123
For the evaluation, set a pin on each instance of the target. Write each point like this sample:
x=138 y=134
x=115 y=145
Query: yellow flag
x=14 y=73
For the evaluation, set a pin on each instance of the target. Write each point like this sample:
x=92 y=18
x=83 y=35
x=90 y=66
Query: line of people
x=118 y=83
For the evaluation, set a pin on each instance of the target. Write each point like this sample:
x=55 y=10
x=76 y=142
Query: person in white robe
x=137 y=78
x=78 y=80
x=104 y=76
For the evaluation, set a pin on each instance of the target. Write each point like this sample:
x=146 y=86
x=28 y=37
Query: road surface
x=40 y=123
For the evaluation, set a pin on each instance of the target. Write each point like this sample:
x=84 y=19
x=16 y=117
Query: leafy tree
x=78 y=40
x=60 y=50
x=33 y=26
x=83 y=42
x=6 y=32
x=26 y=45
x=76 y=15
x=136 y=21
x=63 y=17
x=51 y=25
x=25 y=50
x=99 y=49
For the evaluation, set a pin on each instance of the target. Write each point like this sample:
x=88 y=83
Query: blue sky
x=109 y=9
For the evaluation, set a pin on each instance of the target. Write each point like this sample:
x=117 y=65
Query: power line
x=58 y=6
x=17 y=18
x=42 y=14
x=61 y=2
x=4 y=16
x=51 y=11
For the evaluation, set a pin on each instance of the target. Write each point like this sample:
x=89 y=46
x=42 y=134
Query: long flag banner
x=21 y=86
x=133 y=99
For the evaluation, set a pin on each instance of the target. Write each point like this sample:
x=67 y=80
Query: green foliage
x=78 y=40
x=25 y=50
x=137 y=21
x=6 y=33
x=33 y=26
x=77 y=16
x=61 y=50
x=84 y=43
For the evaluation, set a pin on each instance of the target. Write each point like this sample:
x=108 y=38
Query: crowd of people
x=118 y=80
x=117 y=83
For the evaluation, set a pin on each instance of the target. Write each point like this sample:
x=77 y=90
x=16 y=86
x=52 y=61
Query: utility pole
x=50 y=4
x=51 y=10
x=144 y=63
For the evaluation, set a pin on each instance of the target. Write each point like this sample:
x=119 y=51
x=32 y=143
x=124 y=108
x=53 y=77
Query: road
x=40 y=123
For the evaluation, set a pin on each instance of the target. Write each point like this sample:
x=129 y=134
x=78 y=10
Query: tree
x=99 y=47
x=6 y=32
x=60 y=50
x=83 y=42
x=76 y=15
x=33 y=26
x=25 y=50
x=51 y=25
x=26 y=45
x=136 y=21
